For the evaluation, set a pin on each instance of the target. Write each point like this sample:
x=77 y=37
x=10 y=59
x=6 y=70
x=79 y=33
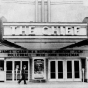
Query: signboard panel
x=38 y=68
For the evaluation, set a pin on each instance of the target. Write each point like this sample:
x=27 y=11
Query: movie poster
x=38 y=66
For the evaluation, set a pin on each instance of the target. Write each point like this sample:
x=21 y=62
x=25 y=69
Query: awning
x=78 y=44
x=10 y=44
x=5 y=42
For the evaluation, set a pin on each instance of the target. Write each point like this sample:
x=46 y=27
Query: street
x=44 y=85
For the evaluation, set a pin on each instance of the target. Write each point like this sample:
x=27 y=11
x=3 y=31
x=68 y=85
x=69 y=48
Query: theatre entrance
x=14 y=67
x=65 y=70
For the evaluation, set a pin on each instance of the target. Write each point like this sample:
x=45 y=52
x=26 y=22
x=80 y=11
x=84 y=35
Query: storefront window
x=1 y=65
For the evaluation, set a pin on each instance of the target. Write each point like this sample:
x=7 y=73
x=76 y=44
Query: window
x=1 y=65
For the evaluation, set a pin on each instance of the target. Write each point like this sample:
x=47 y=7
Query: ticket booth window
x=1 y=65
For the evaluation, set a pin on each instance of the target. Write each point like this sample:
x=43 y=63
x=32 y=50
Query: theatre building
x=51 y=51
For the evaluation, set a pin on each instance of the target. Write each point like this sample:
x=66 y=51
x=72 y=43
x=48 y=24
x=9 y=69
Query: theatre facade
x=52 y=50
x=44 y=55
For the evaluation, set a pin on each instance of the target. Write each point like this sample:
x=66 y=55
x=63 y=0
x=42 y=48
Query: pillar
x=43 y=13
x=49 y=11
x=36 y=10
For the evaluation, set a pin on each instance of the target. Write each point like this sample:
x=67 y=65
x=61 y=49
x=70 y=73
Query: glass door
x=13 y=69
x=77 y=70
x=69 y=70
x=56 y=70
x=73 y=70
x=2 y=72
x=18 y=65
x=52 y=70
x=26 y=72
x=60 y=70
x=17 y=70
x=8 y=70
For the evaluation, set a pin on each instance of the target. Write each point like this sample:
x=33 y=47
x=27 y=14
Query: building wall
x=68 y=12
x=61 y=11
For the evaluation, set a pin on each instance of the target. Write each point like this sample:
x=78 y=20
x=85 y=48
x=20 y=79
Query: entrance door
x=17 y=70
x=69 y=68
x=73 y=70
x=13 y=70
x=2 y=70
x=26 y=64
x=9 y=70
x=52 y=70
x=60 y=70
x=56 y=70
x=77 y=69
x=64 y=70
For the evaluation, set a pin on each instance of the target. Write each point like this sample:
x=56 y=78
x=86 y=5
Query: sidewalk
x=44 y=85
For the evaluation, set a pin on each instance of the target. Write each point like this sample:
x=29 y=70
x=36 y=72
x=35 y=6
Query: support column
x=49 y=11
x=36 y=10
x=43 y=19
x=86 y=69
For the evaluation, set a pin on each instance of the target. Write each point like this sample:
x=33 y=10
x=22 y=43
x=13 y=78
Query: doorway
x=64 y=70
x=13 y=69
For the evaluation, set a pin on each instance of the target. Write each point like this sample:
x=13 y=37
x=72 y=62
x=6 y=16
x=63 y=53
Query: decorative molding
x=45 y=37
x=52 y=2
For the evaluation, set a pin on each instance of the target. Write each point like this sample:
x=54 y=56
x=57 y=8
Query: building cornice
x=53 y=2
x=45 y=23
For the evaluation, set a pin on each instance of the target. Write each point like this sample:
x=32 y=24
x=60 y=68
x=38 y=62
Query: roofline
x=44 y=23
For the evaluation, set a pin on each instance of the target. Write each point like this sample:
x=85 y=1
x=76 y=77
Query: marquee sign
x=48 y=29
x=43 y=53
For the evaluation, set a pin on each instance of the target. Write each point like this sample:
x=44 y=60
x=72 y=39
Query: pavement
x=44 y=85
